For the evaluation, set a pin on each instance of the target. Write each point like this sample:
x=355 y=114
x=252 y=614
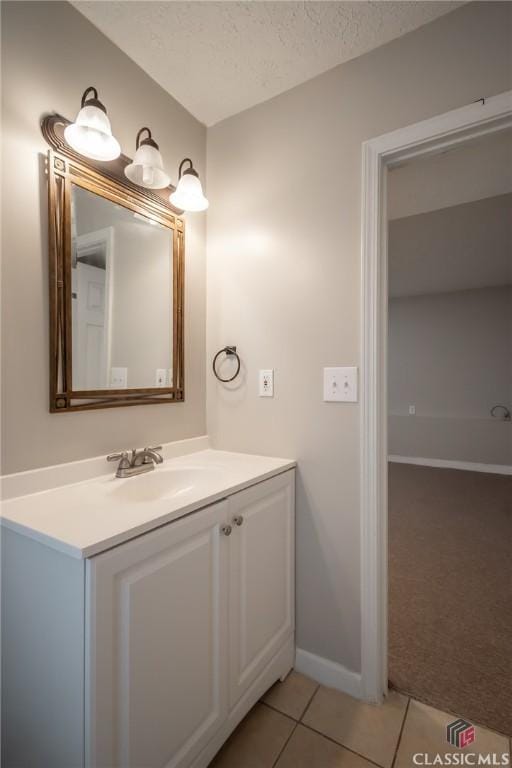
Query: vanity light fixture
x=147 y=167
x=91 y=134
x=189 y=192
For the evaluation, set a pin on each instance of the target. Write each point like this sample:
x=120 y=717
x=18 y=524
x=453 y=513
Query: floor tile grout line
x=287 y=714
x=295 y=724
x=401 y=732
x=339 y=744
x=448 y=711
x=279 y=711
x=309 y=702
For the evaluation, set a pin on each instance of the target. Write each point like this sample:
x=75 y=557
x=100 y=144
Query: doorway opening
x=449 y=355
x=379 y=155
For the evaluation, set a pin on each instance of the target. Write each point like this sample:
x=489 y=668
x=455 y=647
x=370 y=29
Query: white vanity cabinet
x=157 y=644
x=261 y=579
x=184 y=628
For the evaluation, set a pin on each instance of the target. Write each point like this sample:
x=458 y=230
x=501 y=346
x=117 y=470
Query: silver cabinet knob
x=226 y=530
x=238 y=520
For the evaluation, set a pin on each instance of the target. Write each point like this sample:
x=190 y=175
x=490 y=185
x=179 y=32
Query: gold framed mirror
x=116 y=269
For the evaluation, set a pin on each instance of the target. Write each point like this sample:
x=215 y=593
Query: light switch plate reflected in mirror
x=119 y=378
x=161 y=377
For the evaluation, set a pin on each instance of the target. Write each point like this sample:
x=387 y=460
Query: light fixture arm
x=190 y=169
x=188 y=195
x=88 y=90
x=92 y=101
x=148 y=140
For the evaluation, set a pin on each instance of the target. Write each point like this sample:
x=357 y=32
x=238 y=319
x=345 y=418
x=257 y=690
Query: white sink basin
x=166 y=483
x=88 y=517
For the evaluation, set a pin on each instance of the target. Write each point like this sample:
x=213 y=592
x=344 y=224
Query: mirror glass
x=121 y=296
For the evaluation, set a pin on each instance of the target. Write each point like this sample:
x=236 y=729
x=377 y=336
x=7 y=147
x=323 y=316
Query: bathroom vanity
x=143 y=618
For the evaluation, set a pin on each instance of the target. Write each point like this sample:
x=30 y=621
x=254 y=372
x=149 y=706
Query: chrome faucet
x=138 y=462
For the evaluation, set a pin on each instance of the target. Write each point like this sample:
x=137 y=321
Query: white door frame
x=89 y=242
x=492 y=114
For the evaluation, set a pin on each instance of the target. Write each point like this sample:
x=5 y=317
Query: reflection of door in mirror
x=122 y=296
x=92 y=308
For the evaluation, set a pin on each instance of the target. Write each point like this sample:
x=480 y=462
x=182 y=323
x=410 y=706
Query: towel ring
x=230 y=351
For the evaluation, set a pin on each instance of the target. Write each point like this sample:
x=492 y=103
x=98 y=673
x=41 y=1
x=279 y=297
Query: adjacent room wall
x=450 y=313
x=450 y=357
x=50 y=54
x=284 y=262
x=452 y=249
x=473 y=170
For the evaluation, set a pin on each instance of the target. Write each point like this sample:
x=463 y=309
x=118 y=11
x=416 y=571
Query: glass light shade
x=147 y=168
x=189 y=194
x=91 y=135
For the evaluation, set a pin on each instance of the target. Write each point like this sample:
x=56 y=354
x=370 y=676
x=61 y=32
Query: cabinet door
x=157 y=637
x=261 y=582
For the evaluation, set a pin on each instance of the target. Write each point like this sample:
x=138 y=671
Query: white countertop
x=85 y=518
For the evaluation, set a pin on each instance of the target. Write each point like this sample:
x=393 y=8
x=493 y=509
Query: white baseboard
x=470 y=466
x=328 y=673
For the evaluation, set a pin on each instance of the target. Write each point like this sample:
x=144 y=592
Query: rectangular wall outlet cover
x=340 y=385
x=266 y=382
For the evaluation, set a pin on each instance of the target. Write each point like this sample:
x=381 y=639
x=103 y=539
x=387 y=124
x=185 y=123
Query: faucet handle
x=122 y=457
x=153 y=448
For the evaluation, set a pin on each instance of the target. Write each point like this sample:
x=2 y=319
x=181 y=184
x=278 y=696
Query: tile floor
x=299 y=724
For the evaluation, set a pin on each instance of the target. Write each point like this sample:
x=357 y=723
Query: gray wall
x=473 y=170
x=450 y=355
x=452 y=249
x=284 y=262
x=450 y=315
x=50 y=54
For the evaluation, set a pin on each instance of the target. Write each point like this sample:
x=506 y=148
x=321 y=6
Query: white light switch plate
x=266 y=388
x=118 y=378
x=161 y=377
x=340 y=385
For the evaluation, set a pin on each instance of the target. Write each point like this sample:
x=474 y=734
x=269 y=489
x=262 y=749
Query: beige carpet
x=450 y=591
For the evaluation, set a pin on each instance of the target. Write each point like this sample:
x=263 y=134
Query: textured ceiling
x=219 y=58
